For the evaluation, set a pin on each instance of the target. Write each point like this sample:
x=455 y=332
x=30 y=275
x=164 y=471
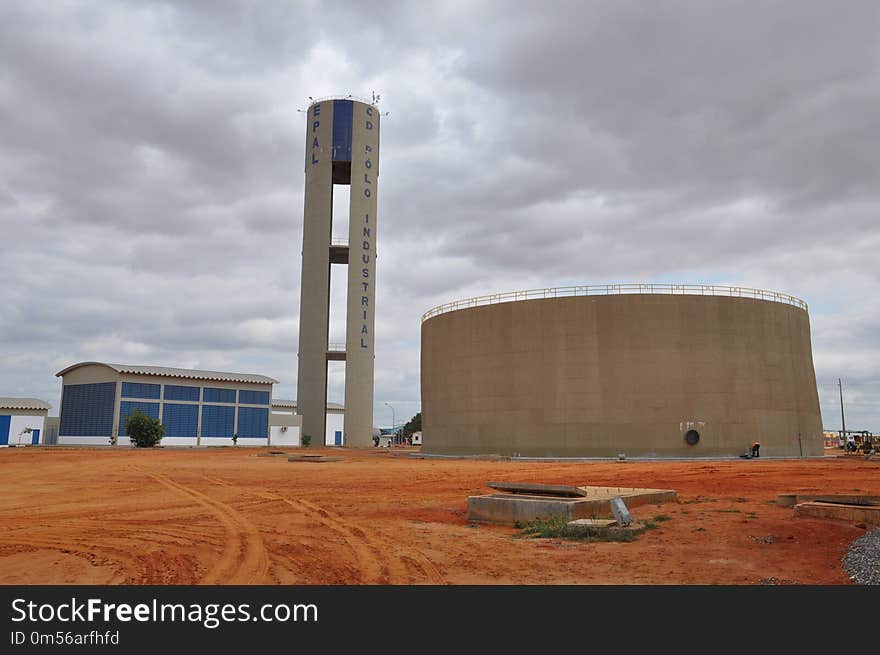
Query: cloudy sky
x=151 y=170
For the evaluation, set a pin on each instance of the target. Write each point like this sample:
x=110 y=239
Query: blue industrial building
x=196 y=407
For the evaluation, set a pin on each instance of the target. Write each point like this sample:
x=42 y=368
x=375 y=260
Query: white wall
x=288 y=438
x=90 y=441
x=17 y=423
x=172 y=441
x=335 y=421
x=227 y=441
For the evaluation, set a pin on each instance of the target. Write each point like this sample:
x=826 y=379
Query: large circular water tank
x=645 y=370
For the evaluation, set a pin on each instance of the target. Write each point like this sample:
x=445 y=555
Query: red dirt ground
x=226 y=516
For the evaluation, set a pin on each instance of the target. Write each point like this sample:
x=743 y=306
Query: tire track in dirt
x=370 y=549
x=394 y=565
x=119 y=559
x=244 y=559
x=371 y=569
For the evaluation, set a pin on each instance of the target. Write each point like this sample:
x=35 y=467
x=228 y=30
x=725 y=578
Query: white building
x=285 y=427
x=22 y=421
x=282 y=409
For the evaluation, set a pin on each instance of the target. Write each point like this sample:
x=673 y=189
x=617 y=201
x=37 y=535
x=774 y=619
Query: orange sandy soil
x=226 y=516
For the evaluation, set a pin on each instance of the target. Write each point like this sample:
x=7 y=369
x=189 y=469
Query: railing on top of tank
x=338 y=241
x=613 y=289
x=366 y=101
x=335 y=347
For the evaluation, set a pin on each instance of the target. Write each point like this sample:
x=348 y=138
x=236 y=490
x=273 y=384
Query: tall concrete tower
x=342 y=147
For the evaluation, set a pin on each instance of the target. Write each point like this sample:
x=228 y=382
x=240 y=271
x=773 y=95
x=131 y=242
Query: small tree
x=306 y=440
x=144 y=432
x=413 y=425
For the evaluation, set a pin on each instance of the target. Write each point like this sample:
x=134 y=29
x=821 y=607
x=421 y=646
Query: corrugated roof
x=23 y=403
x=283 y=402
x=165 y=371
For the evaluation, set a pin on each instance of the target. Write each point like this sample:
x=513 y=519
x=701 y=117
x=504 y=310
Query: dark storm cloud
x=151 y=169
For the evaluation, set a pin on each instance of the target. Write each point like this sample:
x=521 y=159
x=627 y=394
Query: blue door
x=4 y=430
x=338 y=438
x=35 y=437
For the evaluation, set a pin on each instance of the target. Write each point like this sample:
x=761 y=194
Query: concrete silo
x=646 y=370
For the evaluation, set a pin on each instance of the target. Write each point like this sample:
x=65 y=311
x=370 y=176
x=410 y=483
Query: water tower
x=342 y=147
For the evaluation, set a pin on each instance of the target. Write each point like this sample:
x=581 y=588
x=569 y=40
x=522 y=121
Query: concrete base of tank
x=512 y=508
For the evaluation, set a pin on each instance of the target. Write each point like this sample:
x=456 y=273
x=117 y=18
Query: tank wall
x=600 y=375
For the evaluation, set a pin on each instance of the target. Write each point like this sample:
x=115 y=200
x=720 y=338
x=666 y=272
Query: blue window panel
x=140 y=390
x=87 y=409
x=218 y=421
x=126 y=409
x=253 y=422
x=343 y=116
x=176 y=392
x=246 y=397
x=4 y=430
x=180 y=420
x=35 y=438
x=213 y=395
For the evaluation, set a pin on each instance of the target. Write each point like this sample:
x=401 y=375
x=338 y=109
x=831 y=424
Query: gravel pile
x=862 y=561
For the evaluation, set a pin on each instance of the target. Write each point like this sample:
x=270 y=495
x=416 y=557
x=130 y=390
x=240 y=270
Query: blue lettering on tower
x=316 y=111
x=367 y=235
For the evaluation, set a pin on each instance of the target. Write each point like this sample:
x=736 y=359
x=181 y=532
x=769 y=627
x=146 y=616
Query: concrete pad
x=786 y=500
x=790 y=500
x=509 y=509
x=869 y=514
x=313 y=458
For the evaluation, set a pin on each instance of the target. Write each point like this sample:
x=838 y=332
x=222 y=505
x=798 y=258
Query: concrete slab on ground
x=510 y=509
x=790 y=500
x=313 y=458
x=868 y=514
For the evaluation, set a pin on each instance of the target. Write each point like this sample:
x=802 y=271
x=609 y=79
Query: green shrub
x=144 y=432
x=306 y=440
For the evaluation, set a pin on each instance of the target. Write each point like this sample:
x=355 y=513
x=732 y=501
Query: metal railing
x=616 y=289
x=336 y=241
x=366 y=101
x=335 y=347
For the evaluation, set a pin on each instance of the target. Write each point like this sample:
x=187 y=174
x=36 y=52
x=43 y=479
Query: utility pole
x=393 y=423
x=842 y=417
